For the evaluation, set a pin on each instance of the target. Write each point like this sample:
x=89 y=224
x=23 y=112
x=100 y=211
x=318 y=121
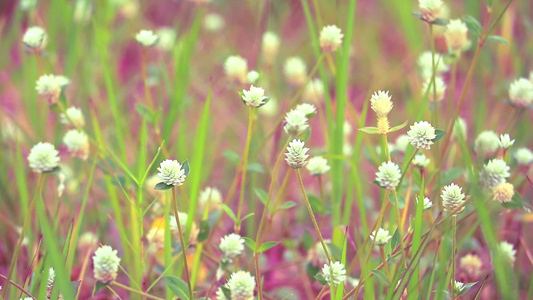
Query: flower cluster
x=146 y=38
x=421 y=135
x=231 y=246
x=171 y=172
x=236 y=68
x=43 y=157
x=381 y=104
x=334 y=273
x=295 y=71
x=77 y=143
x=388 y=175
x=430 y=9
x=254 y=97
x=50 y=87
x=318 y=165
x=521 y=93
x=453 y=199
x=106 y=262
x=295 y=122
x=241 y=286
x=330 y=38
x=296 y=154
x=381 y=237
x=496 y=171
x=35 y=38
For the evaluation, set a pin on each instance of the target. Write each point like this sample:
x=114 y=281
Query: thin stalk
x=140 y=293
x=244 y=165
x=451 y=90
x=454 y=250
x=39 y=62
x=417 y=235
x=384 y=260
x=258 y=275
x=182 y=241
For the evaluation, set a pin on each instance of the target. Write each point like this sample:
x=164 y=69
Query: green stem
x=243 y=169
x=454 y=250
x=127 y=288
x=417 y=236
x=384 y=260
x=182 y=241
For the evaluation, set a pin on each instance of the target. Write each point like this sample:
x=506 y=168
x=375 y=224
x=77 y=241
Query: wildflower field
x=266 y=149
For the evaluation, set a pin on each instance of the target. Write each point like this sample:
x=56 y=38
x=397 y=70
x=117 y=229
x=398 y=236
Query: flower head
x=425 y=64
x=486 y=143
x=330 y=38
x=296 y=154
x=308 y=109
x=471 y=263
x=427 y=203
x=314 y=91
x=507 y=251
x=456 y=35
x=50 y=86
x=254 y=97
x=35 y=38
x=381 y=237
x=503 y=192
x=494 y=172
x=252 y=76
x=295 y=122
x=388 y=175
x=295 y=71
x=430 y=9
x=505 y=141
x=334 y=273
x=439 y=91
x=236 y=68
x=51 y=277
x=87 y=240
x=521 y=93
x=231 y=246
x=106 y=263
x=421 y=135
x=43 y=157
x=421 y=161
x=241 y=285
x=211 y=196
x=459 y=129
x=77 y=143
x=453 y=198
x=524 y=156
x=171 y=172
x=457 y=287
x=381 y=103
x=146 y=38
x=213 y=22
x=402 y=142
x=270 y=46
x=318 y=165
x=167 y=38
x=75 y=115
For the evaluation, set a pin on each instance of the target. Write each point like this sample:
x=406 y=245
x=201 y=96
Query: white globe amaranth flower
x=270 y=46
x=295 y=123
x=296 y=154
x=171 y=172
x=167 y=38
x=402 y=142
x=254 y=97
x=77 y=143
x=521 y=93
x=231 y=246
x=440 y=91
x=295 y=71
x=457 y=287
x=524 y=156
x=381 y=103
x=106 y=262
x=381 y=237
x=459 y=129
x=241 y=285
x=388 y=175
x=421 y=135
x=507 y=251
x=505 y=141
x=51 y=277
x=210 y=196
x=330 y=38
x=503 y=192
x=252 y=76
x=50 y=86
x=427 y=203
x=486 y=143
x=472 y=264
x=75 y=115
x=35 y=38
x=236 y=68
x=314 y=91
x=494 y=172
x=317 y=166
x=456 y=35
x=308 y=109
x=87 y=240
x=425 y=64
x=43 y=157
x=453 y=198
x=146 y=38
x=430 y=9
x=334 y=273
x=421 y=161
x=214 y=22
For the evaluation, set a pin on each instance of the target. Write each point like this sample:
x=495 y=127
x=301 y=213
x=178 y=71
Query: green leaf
x=247 y=216
x=321 y=279
x=266 y=245
x=316 y=204
x=395 y=241
x=417 y=14
x=380 y=275
x=466 y=287
x=439 y=134
x=232 y=156
x=178 y=287
x=440 y=22
x=312 y=271
x=100 y=285
x=473 y=25
x=145 y=112
x=162 y=186
x=250 y=243
x=450 y=175
x=287 y=205
x=401 y=200
x=370 y=130
x=261 y=194
x=307 y=240
x=204 y=231
x=515 y=203
x=229 y=212
x=496 y=39
x=226 y=292
x=255 y=167
x=396 y=128
x=186 y=167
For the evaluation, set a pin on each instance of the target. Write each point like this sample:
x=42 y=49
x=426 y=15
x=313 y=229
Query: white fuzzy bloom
x=402 y=142
x=214 y=22
x=453 y=198
x=427 y=203
x=457 y=287
x=318 y=165
x=26 y=5
x=486 y=143
x=503 y=192
x=167 y=38
x=421 y=135
x=440 y=89
x=295 y=122
x=334 y=273
x=507 y=251
x=231 y=246
x=173 y=223
x=381 y=237
x=254 y=97
x=106 y=264
x=494 y=172
x=296 y=154
x=252 y=76
x=524 y=156
x=459 y=129
x=211 y=196
x=171 y=172
x=75 y=115
x=521 y=92
x=388 y=175
x=87 y=240
x=421 y=161
x=330 y=38
x=35 y=38
x=241 y=285
x=43 y=157
x=430 y=9
x=146 y=38
x=50 y=86
x=381 y=103
x=270 y=46
x=77 y=143
x=456 y=35
x=314 y=91
x=295 y=71
x=51 y=277
x=236 y=68
x=505 y=141
x=472 y=264
x=309 y=110
x=425 y=64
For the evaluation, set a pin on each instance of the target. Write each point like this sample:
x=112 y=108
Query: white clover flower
x=309 y=110
x=75 y=115
x=77 y=143
x=316 y=255
x=503 y=192
x=35 y=38
x=295 y=122
x=457 y=287
x=421 y=135
x=425 y=64
x=381 y=237
x=50 y=86
x=486 y=143
x=252 y=76
x=505 y=141
x=211 y=196
x=421 y=161
x=87 y=240
x=241 y=285
x=459 y=129
x=440 y=90
x=296 y=154
x=295 y=71
x=214 y=22
x=471 y=263
x=43 y=157
x=507 y=251
x=51 y=277
x=456 y=35
x=388 y=175
x=430 y=9
x=146 y=38
x=494 y=172
x=314 y=91
x=171 y=172
x=330 y=38
x=270 y=46
x=231 y=246
x=254 y=97
x=318 y=165
x=427 y=203
x=106 y=264
x=167 y=38
x=334 y=273
x=402 y=142
x=521 y=92
x=453 y=198
x=524 y=156
x=381 y=103
x=236 y=68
